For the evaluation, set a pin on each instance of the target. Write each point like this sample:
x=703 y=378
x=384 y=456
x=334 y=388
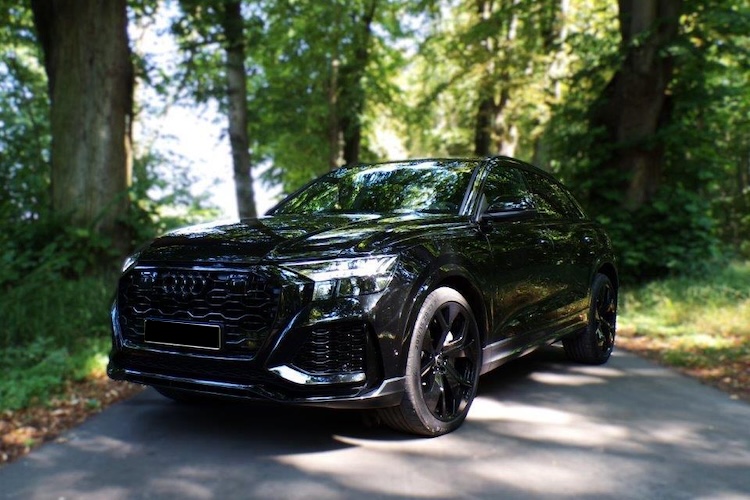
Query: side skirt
x=502 y=351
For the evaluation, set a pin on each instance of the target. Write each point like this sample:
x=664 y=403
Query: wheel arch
x=455 y=278
x=608 y=270
x=464 y=286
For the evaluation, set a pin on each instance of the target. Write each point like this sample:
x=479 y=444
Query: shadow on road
x=298 y=429
x=540 y=427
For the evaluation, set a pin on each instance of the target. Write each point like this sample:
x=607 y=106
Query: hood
x=287 y=237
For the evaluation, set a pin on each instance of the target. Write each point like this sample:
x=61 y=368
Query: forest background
x=641 y=107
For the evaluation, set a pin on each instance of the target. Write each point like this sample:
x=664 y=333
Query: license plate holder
x=182 y=334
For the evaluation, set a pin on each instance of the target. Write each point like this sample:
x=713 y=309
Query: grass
x=52 y=331
x=701 y=324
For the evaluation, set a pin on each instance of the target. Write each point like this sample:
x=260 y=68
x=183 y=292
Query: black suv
x=390 y=287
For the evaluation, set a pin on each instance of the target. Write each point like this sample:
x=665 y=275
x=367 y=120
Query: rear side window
x=551 y=199
x=504 y=184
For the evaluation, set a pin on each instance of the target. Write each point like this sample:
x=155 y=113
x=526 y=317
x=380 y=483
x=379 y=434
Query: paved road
x=543 y=428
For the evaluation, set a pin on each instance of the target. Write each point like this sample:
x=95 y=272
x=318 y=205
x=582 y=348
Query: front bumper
x=388 y=393
x=339 y=353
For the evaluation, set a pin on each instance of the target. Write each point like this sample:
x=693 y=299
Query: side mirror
x=507 y=208
x=504 y=206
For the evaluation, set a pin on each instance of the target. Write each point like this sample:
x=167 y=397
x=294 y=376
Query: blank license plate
x=183 y=334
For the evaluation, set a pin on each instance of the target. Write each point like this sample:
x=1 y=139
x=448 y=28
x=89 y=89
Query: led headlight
x=347 y=277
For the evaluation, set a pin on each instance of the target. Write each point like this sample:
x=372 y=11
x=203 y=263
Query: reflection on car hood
x=288 y=237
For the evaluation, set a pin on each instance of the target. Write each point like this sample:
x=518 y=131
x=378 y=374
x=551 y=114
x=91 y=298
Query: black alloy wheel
x=594 y=345
x=442 y=369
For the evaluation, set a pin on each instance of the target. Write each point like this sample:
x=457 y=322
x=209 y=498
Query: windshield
x=426 y=186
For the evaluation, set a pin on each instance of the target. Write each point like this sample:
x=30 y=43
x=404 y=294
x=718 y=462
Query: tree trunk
x=351 y=126
x=334 y=132
x=90 y=83
x=483 y=126
x=352 y=75
x=635 y=104
x=233 y=25
x=492 y=132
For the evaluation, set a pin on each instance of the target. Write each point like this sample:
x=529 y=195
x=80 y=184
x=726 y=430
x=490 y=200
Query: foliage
x=712 y=103
x=24 y=128
x=293 y=50
x=161 y=198
x=673 y=233
x=497 y=61
x=319 y=57
x=703 y=197
x=51 y=328
x=699 y=321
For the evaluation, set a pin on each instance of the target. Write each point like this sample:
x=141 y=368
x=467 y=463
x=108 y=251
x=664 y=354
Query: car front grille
x=333 y=349
x=245 y=303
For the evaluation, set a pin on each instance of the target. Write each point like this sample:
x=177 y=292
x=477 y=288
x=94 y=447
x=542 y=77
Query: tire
x=594 y=344
x=442 y=368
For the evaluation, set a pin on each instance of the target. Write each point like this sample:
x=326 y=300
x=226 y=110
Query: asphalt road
x=540 y=428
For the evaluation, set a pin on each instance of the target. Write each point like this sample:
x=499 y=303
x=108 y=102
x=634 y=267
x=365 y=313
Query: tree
x=489 y=87
x=321 y=66
x=90 y=86
x=234 y=35
x=352 y=73
x=652 y=130
x=205 y=30
x=635 y=104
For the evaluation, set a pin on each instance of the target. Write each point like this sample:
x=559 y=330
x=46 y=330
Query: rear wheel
x=594 y=344
x=442 y=369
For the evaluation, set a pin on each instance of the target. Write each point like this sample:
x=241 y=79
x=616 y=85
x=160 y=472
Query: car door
x=572 y=236
x=520 y=252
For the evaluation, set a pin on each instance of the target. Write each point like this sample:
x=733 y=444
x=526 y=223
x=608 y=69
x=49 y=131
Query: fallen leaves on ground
x=23 y=430
x=732 y=376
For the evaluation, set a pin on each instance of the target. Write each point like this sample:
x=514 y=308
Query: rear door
x=573 y=238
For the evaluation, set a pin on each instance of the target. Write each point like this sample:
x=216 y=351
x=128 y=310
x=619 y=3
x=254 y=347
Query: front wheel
x=594 y=344
x=442 y=369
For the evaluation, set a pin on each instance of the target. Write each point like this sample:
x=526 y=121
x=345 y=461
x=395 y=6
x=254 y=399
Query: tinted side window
x=551 y=199
x=504 y=185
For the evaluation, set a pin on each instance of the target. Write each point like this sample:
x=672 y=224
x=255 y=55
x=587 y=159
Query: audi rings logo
x=182 y=285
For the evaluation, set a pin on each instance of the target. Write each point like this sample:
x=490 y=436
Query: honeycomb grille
x=333 y=350
x=244 y=303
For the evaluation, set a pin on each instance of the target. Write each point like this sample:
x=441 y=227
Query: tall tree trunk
x=487 y=107
x=334 y=131
x=233 y=25
x=483 y=126
x=492 y=135
x=635 y=103
x=90 y=83
x=352 y=75
x=492 y=132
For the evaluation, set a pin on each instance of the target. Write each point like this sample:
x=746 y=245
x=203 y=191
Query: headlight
x=347 y=277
